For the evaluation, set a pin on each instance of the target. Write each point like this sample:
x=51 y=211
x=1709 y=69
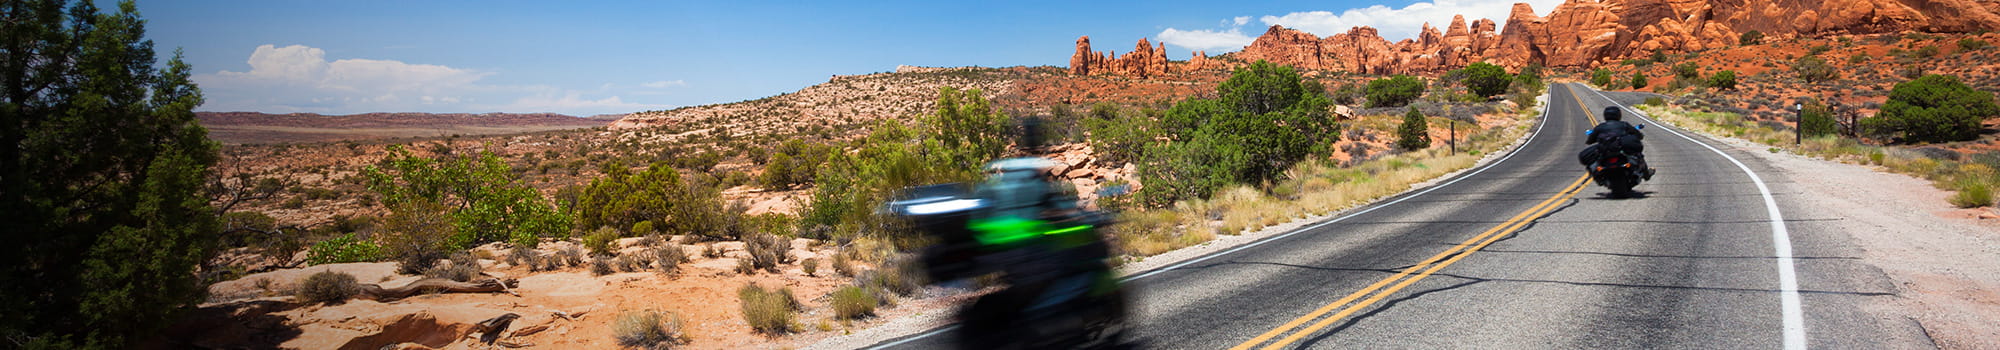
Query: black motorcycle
x=1612 y=168
x=1060 y=293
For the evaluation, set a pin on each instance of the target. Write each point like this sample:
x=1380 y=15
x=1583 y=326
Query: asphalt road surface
x=1698 y=262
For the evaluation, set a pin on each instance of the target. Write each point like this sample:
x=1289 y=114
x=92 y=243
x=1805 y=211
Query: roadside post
x=1798 y=123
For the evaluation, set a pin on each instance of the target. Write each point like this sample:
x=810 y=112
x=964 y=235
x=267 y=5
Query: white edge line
x=1510 y=154
x=1788 y=283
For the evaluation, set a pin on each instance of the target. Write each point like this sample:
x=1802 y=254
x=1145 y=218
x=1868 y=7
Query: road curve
x=1694 y=264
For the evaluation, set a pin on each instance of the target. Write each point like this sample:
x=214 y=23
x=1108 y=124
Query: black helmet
x=1611 y=113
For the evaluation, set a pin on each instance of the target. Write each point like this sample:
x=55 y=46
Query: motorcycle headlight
x=941 y=207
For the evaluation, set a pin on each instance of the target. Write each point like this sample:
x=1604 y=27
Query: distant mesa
x=1578 y=33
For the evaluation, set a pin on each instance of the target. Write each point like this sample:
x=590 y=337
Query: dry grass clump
x=328 y=287
x=649 y=329
x=571 y=255
x=767 y=250
x=768 y=311
x=601 y=241
x=668 y=258
x=600 y=265
x=852 y=302
x=463 y=268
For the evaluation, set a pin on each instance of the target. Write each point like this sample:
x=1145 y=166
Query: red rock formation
x=1590 y=32
x=1145 y=61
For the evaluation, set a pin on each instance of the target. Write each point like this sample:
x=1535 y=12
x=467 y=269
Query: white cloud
x=1214 y=41
x=665 y=84
x=1406 y=22
x=299 y=78
x=1242 y=20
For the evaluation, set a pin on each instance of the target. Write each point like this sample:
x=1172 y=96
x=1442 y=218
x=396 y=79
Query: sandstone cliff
x=1582 y=33
x=1144 y=61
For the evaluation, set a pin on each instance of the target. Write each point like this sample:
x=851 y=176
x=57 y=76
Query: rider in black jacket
x=1615 y=134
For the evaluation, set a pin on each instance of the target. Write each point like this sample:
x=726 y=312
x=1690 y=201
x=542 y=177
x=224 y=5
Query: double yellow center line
x=1340 y=309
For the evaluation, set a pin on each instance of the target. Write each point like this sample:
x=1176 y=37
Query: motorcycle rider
x=1616 y=135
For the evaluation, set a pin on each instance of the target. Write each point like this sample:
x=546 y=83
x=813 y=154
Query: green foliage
x=1816 y=119
x=794 y=163
x=343 y=249
x=1485 y=79
x=1969 y=44
x=417 y=235
x=1751 y=38
x=1814 y=69
x=1348 y=94
x=1395 y=91
x=328 y=287
x=1218 y=142
x=950 y=145
x=601 y=241
x=852 y=302
x=1655 y=101
x=658 y=194
x=768 y=311
x=1120 y=136
x=1687 y=70
x=1933 y=108
x=1601 y=77
x=1818 y=49
x=484 y=198
x=1414 y=133
x=1972 y=194
x=643 y=228
x=1723 y=80
x=1638 y=80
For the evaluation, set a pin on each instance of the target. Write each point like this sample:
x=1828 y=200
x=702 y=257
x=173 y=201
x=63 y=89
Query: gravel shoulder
x=1944 y=261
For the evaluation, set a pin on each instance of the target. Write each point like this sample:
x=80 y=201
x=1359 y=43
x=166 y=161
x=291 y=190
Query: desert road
x=1523 y=253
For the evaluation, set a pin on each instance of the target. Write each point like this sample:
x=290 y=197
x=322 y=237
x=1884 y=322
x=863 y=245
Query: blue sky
x=598 y=57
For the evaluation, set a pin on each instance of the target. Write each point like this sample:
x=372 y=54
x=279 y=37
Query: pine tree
x=1415 y=133
x=103 y=169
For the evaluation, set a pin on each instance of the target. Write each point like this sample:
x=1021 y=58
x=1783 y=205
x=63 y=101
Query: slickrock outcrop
x=1590 y=32
x=1145 y=61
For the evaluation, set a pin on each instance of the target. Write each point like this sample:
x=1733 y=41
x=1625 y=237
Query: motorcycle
x=1613 y=168
x=1060 y=292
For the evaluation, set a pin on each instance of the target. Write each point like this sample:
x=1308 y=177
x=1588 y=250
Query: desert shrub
x=1814 y=69
x=1348 y=94
x=1858 y=58
x=1972 y=194
x=295 y=202
x=1601 y=77
x=648 y=329
x=767 y=250
x=1934 y=108
x=900 y=276
x=483 y=198
x=1414 y=133
x=601 y=241
x=811 y=266
x=746 y=267
x=1818 y=49
x=643 y=228
x=794 y=162
x=527 y=257
x=571 y=255
x=1750 y=38
x=1267 y=119
x=1638 y=80
x=842 y=266
x=768 y=311
x=1395 y=91
x=343 y=249
x=676 y=205
x=601 y=265
x=1486 y=79
x=327 y=287
x=1927 y=52
x=950 y=144
x=1723 y=80
x=416 y=235
x=851 y=302
x=1816 y=119
x=463 y=268
x=710 y=251
x=1119 y=136
x=1687 y=70
x=1655 y=101
x=1969 y=44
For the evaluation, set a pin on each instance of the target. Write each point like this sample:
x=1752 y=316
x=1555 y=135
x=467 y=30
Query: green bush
x=343 y=249
x=1969 y=44
x=1687 y=70
x=1933 y=108
x=484 y=198
x=1601 y=77
x=951 y=144
x=1972 y=194
x=1119 y=136
x=1655 y=101
x=1638 y=80
x=327 y=287
x=602 y=241
x=1244 y=138
x=1751 y=38
x=643 y=228
x=675 y=205
x=1395 y=91
x=768 y=311
x=1723 y=80
x=648 y=329
x=1816 y=119
x=1486 y=80
x=767 y=250
x=1414 y=133
x=794 y=163
x=1814 y=69
x=463 y=268
x=1348 y=94
x=1818 y=49
x=852 y=302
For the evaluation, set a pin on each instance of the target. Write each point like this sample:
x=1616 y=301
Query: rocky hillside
x=842 y=101
x=1582 y=33
x=253 y=127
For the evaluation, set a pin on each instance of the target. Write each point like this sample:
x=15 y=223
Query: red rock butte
x=1145 y=61
x=1578 y=33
